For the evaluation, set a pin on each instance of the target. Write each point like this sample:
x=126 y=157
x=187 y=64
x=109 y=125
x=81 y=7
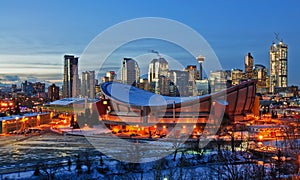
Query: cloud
x=31 y=79
x=11 y=78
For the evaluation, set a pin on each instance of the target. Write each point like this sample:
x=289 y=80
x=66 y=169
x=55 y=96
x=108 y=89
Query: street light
x=260 y=137
x=4 y=127
x=17 y=118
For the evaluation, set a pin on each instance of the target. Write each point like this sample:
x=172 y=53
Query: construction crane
x=156 y=52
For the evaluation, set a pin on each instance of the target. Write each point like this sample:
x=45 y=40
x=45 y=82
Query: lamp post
x=4 y=127
x=17 y=131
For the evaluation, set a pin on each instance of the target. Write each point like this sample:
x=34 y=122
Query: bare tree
x=50 y=170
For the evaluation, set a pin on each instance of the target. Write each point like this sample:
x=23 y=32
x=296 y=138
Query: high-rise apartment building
x=71 y=81
x=278 y=65
x=88 y=84
x=130 y=71
x=249 y=62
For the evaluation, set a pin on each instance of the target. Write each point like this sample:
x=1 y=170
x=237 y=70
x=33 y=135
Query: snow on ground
x=84 y=131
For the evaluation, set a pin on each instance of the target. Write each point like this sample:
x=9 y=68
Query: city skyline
x=32 y=47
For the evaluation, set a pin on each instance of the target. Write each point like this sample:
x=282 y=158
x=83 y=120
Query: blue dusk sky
x=34 y=34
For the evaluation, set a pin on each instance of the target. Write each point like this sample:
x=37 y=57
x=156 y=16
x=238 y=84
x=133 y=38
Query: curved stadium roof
x=138 y=97
x=239 y=98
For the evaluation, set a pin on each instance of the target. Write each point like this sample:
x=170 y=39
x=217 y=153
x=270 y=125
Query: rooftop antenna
x=277 y=37
x=156 y=52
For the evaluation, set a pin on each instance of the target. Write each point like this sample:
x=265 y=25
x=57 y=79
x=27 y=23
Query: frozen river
x=22 y=151
x=19 y=152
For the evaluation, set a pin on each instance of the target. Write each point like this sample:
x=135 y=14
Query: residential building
x=88 y=84
x=71 y=82
x=130 y=72
x=278 y=66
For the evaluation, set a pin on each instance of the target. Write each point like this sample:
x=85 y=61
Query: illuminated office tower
x=261 y=75
x=88 y=84
x=130 y=72
x=249 y=66
x=278 y=66
x=217 y=80
x=193 y=76
x=71 y=82
x=236 y=76
x=157 y=68
x=180 y=80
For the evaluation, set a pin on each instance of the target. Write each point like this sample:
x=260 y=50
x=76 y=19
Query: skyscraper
x=157 y=67
x=193 y=76
x=180 y=80
x=88 y=84
x=130 y=71
x=71 y=82
x=249 y=66
x=278 y=65
x=218 y=80
x=261 y=74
